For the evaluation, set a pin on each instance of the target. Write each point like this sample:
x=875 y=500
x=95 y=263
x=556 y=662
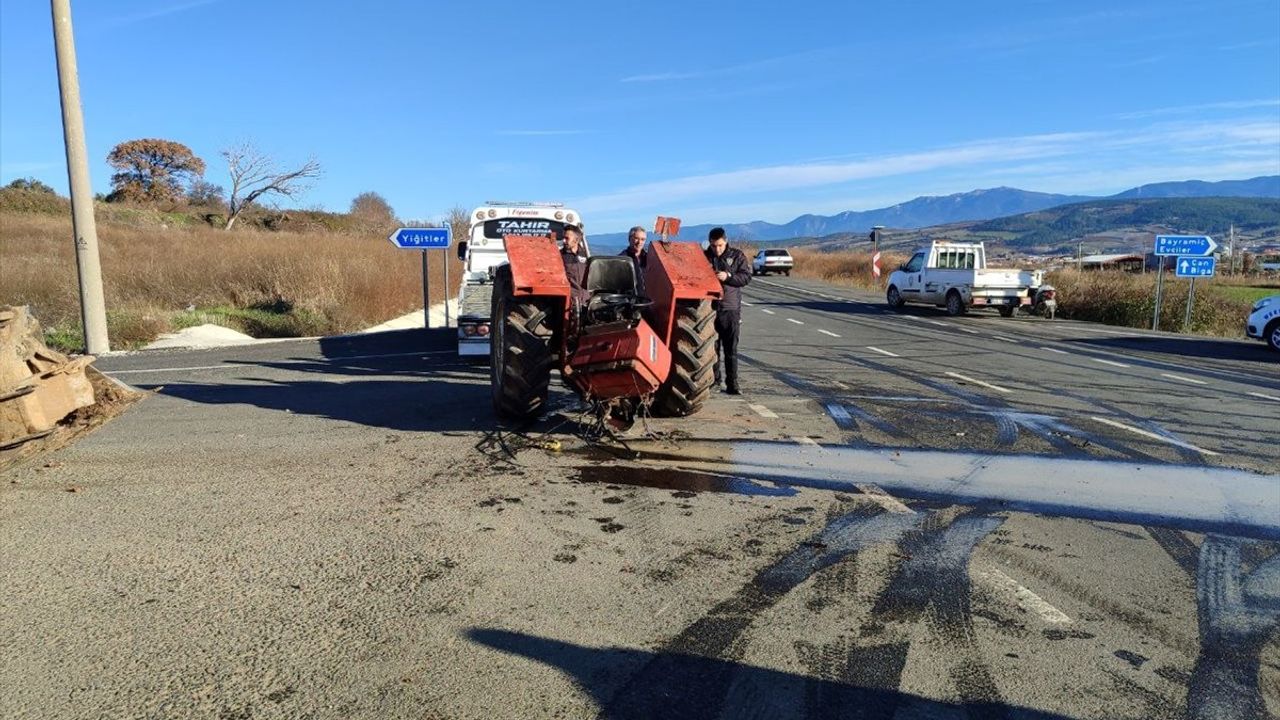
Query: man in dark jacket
x=574 y=257
x=733 y=271
x=639 y=256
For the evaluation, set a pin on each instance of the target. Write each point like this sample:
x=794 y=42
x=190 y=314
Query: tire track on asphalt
x=718 y=633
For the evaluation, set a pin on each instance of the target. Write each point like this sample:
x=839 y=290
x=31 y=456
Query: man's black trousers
x=727 y=324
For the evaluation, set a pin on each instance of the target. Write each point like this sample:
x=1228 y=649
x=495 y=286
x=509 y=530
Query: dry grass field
x=167 y=271
x=162 y=277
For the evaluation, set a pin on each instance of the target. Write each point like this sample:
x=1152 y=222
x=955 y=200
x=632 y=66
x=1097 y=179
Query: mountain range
x=974 y=205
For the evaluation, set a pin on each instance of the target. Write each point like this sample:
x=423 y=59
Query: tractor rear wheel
x=520 y=356
x=693 y=359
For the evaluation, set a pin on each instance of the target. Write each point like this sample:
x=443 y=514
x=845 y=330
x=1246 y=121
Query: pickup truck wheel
x=1006 y=311
x=693 y=359
x=787 y=273
x=893 y=297
x=520 y=356
x=955 y=304
x=1272 y=335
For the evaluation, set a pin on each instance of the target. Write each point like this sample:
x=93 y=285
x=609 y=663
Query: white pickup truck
x=955 y=276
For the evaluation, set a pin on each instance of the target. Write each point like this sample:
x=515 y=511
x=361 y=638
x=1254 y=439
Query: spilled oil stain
x=681 y=481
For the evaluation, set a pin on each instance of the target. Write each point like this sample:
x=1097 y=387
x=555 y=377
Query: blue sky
x=714 y=112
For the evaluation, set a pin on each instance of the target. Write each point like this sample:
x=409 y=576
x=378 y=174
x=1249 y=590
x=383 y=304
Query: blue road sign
x=1194 y=267
x=421 y=238
x=1185 y=245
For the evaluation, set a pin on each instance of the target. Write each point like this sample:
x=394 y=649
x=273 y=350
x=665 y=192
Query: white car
x=776 y=261
x=1264 y=321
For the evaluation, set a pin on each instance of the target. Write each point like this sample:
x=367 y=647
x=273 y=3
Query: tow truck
x=483 y=252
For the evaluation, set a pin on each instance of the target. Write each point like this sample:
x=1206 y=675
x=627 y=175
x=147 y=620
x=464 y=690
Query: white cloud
x=1186 y=109
x=1077 y=162
x=157 y=13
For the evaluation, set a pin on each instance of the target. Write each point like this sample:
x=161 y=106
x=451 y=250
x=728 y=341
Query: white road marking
x=763 y=310
x=1264 y=396
x=838 y=412
x=882 y=352
x=971 y=332
x=1153 y=436
x=1109 y=362
x=827 y=332
x=884 y=499
x=798 y=322
x=1180 y=378
x=939 y=324
x=744 y=302
x=912 y=317
x=763 y=411
x=804 y=440
x=1054 y=350
x=1006 y=339
x=247 y=364
x=1024 y=598
x=966 y=378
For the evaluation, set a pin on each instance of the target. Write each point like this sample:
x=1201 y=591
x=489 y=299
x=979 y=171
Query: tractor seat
x=611 y=274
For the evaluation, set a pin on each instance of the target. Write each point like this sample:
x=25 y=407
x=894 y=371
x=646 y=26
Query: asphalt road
x=905 y=516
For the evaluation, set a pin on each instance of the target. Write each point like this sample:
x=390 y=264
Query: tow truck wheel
x=955 y=304
x=520 y=357
x=1005 y=311
x=1273 y=335
x=693 y=359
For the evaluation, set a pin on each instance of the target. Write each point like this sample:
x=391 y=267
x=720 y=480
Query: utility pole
x=93 y=307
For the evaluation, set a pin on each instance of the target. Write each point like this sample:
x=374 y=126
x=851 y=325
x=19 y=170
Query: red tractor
x=623 y=352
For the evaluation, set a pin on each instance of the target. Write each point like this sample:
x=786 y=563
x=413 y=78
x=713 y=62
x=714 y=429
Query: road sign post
x=1194 y=255
x=424 y=239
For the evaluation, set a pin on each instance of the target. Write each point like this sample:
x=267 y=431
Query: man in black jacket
x=733 y=271
x=574 y=257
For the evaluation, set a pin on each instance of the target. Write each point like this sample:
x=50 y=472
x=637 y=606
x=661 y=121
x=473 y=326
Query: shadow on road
x=1190 y=347
x=407 y=380
x=679 y=689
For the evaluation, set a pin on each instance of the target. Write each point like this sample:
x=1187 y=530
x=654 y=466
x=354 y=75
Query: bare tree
x=459 y=222
x=254 y=174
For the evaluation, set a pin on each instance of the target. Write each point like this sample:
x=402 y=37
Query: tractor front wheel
x=520 y=356
x=693 y=359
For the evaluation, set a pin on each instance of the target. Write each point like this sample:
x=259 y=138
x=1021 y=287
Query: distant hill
x=974 y=205
x=1208 y=215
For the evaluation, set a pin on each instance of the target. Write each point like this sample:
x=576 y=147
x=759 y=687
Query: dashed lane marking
x=828 y=332
x=770 y=312
x=938 y=323
x=967 y=330
x=1004 y=338
x=975 y=381
x=744 y=302
x=1265 y=396
x=1153 y=436
x=912 y=317
x=763 y=411
x=793 y=320
x=1025 y=599
x=1054 y=350
x=882 y=352
x=1109 y=362
x=1180 y=378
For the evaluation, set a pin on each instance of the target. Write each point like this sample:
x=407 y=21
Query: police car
x=1264 y=321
